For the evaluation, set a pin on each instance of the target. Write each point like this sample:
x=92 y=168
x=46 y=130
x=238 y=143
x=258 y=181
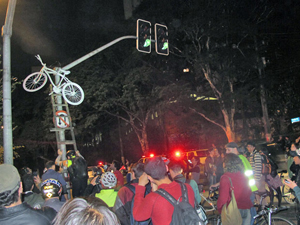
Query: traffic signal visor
x=161 y=39
x=143 y=34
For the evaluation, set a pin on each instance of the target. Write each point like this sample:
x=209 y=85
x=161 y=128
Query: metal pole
x=61 y=133
x=85 y=57
x=7 y=113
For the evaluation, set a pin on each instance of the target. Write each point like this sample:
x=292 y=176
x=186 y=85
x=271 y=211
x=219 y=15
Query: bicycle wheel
x=288 y=194
x=34 y=81
x=73 y=93
x=278 y=221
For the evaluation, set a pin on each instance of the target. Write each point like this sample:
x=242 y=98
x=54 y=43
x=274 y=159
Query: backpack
x=132 y=220
x=266 y=165
x=199 y=208
x=184 y=213
x=274 y=166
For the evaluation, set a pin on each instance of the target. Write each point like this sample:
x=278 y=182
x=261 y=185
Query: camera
x=97 y=181
x=34 y=173
x=286 y=181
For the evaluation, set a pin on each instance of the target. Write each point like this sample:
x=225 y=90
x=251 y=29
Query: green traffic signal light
x=147 y=43
x=161 y=39
x=165 y=46
x=143 y=34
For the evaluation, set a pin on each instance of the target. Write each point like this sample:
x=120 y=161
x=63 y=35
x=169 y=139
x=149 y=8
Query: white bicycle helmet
x=108 y=179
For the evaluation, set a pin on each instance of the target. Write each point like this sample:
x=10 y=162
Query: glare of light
x=177 y=154
x=186 y=70
x=151 y=155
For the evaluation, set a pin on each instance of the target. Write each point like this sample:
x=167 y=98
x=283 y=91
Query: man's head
x=25 y=170
x=156 y=168
x=175 y=168
x=50 y=165
x=195 y=160
x=138 y=169
x=28 y=183
x=115 y=165
x=231 y=147
x=10 y=185
x=51 y=188
x=71 y=154
x=250 y=146
x=108 y=180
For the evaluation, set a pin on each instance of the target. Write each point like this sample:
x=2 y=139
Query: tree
x=218 y=43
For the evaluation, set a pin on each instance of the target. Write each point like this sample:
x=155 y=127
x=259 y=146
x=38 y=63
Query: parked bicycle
x=208 y=202
x=264 y=217
x=71 y=92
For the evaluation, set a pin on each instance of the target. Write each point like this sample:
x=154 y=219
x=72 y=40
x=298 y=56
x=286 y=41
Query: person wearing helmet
x=77 y=169
x=49 y=172
x=108 y=194
x=115 y=167
x=51 y=191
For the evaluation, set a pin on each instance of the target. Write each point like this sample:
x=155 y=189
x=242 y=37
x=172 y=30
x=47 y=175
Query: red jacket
x=120 y=179
x=241 y=189
x=156 y=206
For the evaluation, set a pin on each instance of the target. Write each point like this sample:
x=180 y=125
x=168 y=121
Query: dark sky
x=60 y=30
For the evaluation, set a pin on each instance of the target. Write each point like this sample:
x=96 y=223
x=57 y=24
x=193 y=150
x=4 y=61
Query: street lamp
x=7 y=118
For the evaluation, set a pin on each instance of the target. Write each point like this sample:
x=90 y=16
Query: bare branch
x=208 y=119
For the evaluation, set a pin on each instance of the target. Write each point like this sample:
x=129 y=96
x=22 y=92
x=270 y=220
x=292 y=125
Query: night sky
x=60 y=30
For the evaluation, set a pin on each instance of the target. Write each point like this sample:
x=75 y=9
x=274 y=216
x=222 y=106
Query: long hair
x=79 y=211
x=233 y=163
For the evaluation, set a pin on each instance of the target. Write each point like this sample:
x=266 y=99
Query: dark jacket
x=23 y=215
x=78 y=169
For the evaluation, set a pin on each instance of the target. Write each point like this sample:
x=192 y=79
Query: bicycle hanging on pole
x=71 y=92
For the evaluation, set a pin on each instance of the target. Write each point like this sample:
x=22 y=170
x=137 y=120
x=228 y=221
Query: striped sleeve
x=257 y=166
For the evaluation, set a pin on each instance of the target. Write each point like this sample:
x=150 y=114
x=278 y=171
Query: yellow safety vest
x=249 y=173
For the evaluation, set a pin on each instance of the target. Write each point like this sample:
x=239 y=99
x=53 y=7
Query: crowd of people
x=66 y=195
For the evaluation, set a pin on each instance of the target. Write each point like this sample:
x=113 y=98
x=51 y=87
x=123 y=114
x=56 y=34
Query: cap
x=231 y=145
x=9 y=177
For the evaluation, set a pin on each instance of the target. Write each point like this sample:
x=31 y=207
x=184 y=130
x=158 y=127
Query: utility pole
x=7 y=113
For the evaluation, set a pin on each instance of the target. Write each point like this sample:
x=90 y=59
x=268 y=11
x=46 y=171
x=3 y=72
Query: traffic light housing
x=143 y=34
x=161 y=39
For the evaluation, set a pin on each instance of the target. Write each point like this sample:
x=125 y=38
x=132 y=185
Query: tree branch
x=208 y=119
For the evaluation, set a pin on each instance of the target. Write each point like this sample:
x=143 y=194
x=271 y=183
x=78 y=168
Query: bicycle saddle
x=282 y=171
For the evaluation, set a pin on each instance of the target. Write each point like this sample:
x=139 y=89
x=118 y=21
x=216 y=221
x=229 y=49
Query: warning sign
x=62 y=119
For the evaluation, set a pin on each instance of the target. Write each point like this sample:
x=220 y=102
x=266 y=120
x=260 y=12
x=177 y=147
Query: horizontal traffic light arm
x=85 y=57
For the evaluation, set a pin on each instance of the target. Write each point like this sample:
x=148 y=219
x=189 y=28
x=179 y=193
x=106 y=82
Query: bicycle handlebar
x=40 y=59
x=60 y=70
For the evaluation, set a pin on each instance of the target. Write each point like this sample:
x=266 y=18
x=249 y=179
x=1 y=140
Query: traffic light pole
x=7 y=112
x=83 y=58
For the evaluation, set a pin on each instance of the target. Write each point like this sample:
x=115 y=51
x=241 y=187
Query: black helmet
x=71 y=154
x=51 y=188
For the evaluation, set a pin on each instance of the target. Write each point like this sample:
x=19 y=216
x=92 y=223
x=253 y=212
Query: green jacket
x=249 y=173
x=297 y=192
x=108 y=196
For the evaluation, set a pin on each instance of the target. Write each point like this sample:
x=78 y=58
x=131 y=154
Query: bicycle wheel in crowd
x=73 y=93
x=277 y=221
x=34 y=81
x=288 y=194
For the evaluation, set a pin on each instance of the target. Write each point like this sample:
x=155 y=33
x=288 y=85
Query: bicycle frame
x=56 y=87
